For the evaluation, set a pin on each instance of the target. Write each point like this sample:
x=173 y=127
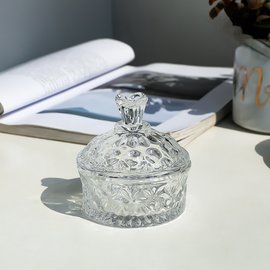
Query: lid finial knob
x=131 y=107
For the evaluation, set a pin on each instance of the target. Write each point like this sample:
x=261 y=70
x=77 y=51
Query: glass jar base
x=113 y=220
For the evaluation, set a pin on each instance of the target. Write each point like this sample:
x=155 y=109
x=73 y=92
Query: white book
x=69 y=95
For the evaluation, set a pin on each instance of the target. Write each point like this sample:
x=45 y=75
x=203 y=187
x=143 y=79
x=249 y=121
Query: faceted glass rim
x=151 y=176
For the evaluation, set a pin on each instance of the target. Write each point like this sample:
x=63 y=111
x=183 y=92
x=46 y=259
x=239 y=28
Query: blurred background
x=172 y=31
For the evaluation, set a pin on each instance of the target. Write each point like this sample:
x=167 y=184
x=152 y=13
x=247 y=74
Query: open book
x=69 y=95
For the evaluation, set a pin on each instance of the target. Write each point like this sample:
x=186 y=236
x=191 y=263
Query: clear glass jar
x=133 y=175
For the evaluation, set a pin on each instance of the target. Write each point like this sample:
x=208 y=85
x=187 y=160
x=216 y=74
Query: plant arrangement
x=252 y=16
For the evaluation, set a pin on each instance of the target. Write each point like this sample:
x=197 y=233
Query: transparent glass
x=133 y=175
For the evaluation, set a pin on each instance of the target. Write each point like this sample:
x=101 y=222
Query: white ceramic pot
x=251 y=101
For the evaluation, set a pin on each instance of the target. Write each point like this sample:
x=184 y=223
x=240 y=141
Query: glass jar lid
x=133 y=149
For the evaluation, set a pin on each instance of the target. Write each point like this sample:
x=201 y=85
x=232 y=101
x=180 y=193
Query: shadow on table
x=63 y=196
x=263 y=149
x=228 y=123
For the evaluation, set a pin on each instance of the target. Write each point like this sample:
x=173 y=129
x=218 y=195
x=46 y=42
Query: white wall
x=175 y=31
x=31 y=28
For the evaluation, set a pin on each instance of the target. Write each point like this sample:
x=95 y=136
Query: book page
x=19 y=116
x=95 y=112
x=59 y=71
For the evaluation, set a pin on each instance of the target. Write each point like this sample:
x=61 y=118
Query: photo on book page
x=100 y=104
x=167 y=96
x=166 y=85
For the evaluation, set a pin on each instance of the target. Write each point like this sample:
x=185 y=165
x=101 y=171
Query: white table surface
x=226 y=224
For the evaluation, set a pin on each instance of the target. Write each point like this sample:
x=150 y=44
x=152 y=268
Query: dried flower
x=253 y=16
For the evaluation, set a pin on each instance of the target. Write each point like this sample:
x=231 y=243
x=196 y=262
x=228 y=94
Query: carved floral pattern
x=142 y=204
